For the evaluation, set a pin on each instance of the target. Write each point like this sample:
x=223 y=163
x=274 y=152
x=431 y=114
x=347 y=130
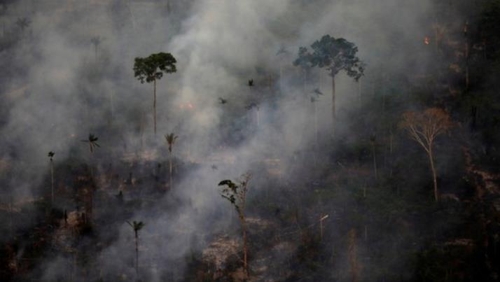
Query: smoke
x=68 y=89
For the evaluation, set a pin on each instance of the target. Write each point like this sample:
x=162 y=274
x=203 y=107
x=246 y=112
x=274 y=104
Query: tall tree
x=136 y=226
x=334 y=55
x=151 y=69
x=424 y=127
x=170 y=138
x=51 y=156
x=236 y=194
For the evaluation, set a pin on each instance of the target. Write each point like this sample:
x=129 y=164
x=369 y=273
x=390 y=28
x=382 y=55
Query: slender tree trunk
x=436 y=35
x=154 y=104
x=245 y=247
x=112 y=106
x=333 y=106
x=136 y=255
x=321 y=227
x=316 y=147
x=353 y=257
x=52 y=182
x=315 y=124
x=170 y=171
x=11 y=226
x=374 y=161
x=359 y=93
x=257 y=113
x=281 y=78
x=434 y=177
x=73 y=274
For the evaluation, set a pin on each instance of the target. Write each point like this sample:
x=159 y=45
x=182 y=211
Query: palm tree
x=92 y=140
x=170 y=138
x=51 y=155
x=136 y=226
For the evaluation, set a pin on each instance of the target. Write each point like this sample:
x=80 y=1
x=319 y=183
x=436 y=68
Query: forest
x=273 y=141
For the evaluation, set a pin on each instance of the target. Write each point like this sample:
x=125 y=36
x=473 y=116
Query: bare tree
x=424 y=127
x=236 y=194
x=170 y=138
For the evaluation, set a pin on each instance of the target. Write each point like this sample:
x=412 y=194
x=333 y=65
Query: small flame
x=427 y=40
x=188 y=106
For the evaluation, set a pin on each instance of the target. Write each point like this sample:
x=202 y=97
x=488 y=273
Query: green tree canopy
x=151 y=68
x=334 y=55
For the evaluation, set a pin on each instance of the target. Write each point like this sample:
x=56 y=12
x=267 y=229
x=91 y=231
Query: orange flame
x=188 y=106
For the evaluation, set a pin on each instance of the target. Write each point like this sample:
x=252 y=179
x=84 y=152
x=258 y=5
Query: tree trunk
x=352 y=255
x=52 y=182
x=434 y=177
x=154 y=104
x=112 y=110
x=281 y=79
x=170 y=171
x=136 y=255
x=359 y=93
x=315 y=124
x=333 y=105
x=374 y=161
x=257 y=113
x=316 y=147
x=245 y=248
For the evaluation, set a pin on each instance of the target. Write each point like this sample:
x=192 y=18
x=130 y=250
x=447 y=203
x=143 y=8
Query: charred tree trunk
x=154 y=104
x=374 y=160
x=136 y=255
x=245 y=247
x=52 y=183
x=170 y=171
x=353 y=258
x=334 y=116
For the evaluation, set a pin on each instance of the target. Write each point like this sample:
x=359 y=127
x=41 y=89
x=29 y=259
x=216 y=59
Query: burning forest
x=217 y=140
